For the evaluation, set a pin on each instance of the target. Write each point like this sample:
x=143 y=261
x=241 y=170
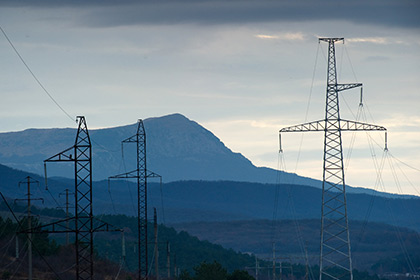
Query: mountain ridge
x=193 y=201
x=177 y=149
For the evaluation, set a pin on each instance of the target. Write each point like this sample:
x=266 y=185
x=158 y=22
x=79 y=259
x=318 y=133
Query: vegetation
x=370 y=242
x=50 y=261
x=186 y=250
x=194 y=259
x=212 y=271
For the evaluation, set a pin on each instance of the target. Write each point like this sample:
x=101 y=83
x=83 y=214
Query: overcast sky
x=243 y=69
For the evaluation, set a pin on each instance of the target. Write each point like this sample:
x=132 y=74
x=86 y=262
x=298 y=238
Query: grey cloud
x=108 y=13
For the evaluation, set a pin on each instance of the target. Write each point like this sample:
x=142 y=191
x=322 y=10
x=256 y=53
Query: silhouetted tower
x=81 y=155
x=335 y=255
x=82 y=223
x=141 y=174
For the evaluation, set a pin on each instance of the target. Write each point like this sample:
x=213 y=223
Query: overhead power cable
x=33 y=75
x=30 y=240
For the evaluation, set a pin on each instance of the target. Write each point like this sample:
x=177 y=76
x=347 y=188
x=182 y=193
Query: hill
x=187 y=251
x=225 y=208
x=192 y=201
x=372 y=243
x=177 y=149
x=187 y=201
x=58 y=262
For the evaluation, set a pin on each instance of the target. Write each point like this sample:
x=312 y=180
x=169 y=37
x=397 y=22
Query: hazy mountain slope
x=371 y=242
x=188 y=201
x=177 y=149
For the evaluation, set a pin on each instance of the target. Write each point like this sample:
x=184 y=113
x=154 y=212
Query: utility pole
x=67 y=193
x=141 y=174
x=123 y=254
x=274 y=260
x=156 y=244
x=28 y=181
x=168 y=258
x=256 y=268
x=335 y=250
x=175 y=268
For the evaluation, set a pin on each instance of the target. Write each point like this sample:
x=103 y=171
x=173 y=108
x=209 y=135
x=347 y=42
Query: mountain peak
x=177 y=148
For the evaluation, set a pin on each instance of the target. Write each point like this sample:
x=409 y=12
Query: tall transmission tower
x=335 y=254
x=82 y=224
x=141 y=174
x=82 y=158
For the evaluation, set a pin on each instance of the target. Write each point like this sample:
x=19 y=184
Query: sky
x=242 y=69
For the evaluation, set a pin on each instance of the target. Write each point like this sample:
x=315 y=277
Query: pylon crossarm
x=346 y=125
x=62 y=156
x=341 y=87
x=128 y=175
x=102 y=224
x=331 y=39
x=62 y=226
x=310 y=126
x=132 y=139
x=151 y=174
x=54 y=227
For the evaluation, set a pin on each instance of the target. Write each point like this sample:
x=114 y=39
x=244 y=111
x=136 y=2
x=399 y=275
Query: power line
x=30 y=240
x=33 y=75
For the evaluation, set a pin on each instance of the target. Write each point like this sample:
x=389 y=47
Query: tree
x=240 y=275
x=210 y=271
x=185 y=275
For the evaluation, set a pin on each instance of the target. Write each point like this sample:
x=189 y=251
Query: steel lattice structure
x=141 y=174
x=335 y=255
x=82 y=224
x=82 y=158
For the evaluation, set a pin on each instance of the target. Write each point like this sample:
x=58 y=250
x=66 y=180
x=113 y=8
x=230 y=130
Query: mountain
x=177 y=149
x=239 y=215
x=194 y=201
x=371 y=243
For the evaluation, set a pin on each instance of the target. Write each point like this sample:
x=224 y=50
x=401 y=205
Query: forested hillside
x=190 y=258
x=375 y=246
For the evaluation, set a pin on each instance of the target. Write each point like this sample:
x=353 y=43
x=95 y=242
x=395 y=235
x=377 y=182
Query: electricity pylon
x=82 y=158
x=141 y=174
x=335 y=255
x=82 y=223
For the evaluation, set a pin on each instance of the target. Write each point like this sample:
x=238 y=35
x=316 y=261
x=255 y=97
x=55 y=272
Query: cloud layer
x=107 y=13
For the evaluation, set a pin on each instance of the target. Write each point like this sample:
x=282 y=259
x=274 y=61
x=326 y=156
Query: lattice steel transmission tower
x=141 y=174
x=82 y=224
x=335 y=255
x=81 y=154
